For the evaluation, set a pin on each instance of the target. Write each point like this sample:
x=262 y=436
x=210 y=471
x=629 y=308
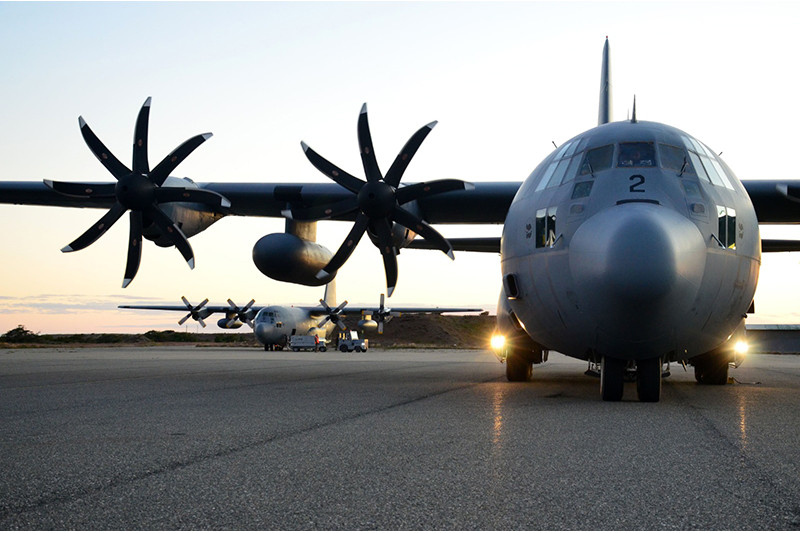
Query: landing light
x=741 y=347
x=497 y=342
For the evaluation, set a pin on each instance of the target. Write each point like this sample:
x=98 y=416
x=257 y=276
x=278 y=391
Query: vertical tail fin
x=330 y=293
x=604 y=114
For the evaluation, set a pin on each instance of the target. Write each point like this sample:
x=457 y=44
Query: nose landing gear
x=648 y=379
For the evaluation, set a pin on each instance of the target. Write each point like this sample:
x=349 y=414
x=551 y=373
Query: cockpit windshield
x=636 y=154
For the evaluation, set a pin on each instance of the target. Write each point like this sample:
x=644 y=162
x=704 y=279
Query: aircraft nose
x=637 y=267
x=262 y=332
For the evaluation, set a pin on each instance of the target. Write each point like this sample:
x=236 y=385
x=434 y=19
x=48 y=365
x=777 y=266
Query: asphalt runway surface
x=202 y=438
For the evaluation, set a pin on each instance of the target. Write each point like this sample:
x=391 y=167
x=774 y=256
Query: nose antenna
x=633 y=116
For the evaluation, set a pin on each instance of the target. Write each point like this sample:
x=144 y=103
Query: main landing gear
x=520 y=361
x=648 y=379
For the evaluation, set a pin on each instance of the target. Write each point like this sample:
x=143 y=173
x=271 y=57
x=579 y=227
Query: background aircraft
x=273 y=325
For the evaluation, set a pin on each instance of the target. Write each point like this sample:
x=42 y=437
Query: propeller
x=378 y=201
x=383 y=315
x=243 y=315
x=196 y=312
x=139 y=192
x=333 y=315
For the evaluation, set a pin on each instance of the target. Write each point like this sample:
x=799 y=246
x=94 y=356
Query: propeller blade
x=202 y=322
x=323 y=322
x=348 y=181
x=380 y=327
x=420 y=190
x=322 y=211
x=96 y=231
x=347 y=247
x=173 y=233
x=176 y=157
x=389 y=253
x=140 y=163
x=402 y=160
x=368 y=159
x=340 y=307
x=134 y=248
x=325 y=305
x=417 y=225
x=182 y=194
x=184 y=319
x=83 y=190
x=103 y=154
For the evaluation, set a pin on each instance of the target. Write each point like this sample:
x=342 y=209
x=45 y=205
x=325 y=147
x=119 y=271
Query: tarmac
x=238 y=438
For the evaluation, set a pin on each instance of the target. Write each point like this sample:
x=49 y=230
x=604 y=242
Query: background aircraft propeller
x=377 y=201
x=195 y=312
x=138 y=191
x=333 y=315
x=383 y=315
x=245 y=314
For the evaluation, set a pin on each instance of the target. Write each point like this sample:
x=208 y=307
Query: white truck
x=307 y=342
x=348 y=341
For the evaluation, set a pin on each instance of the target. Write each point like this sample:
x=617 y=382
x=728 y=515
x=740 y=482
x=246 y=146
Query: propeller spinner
x=377 y=201
x=138 y=191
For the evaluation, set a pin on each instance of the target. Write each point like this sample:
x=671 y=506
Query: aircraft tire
x=518 y=367
x=648 y=380
x=712 y=371
x=612 y=374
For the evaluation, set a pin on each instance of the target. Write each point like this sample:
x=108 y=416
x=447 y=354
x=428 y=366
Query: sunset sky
x=504 y=80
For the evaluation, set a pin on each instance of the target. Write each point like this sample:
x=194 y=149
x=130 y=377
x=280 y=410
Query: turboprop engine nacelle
x=223 y=323
x=191 y=218
x=286 y=257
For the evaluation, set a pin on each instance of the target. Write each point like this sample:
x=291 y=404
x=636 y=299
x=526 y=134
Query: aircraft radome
x=632 y=245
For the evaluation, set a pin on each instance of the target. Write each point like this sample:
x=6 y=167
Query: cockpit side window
x=597 y=159
x=675 y=158
x=636 y=154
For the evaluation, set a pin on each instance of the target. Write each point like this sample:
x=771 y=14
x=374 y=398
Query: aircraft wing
x=775 y=201
x=486 y=203
x=202 y=311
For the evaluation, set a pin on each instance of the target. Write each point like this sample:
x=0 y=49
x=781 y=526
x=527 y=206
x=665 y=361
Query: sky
x=505 y=80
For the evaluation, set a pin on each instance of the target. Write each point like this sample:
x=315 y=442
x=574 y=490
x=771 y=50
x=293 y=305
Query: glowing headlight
x=497 y=342
x=741 y=347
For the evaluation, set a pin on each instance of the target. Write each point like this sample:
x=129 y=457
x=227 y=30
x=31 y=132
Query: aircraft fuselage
x=274 y=325
x=632 y=241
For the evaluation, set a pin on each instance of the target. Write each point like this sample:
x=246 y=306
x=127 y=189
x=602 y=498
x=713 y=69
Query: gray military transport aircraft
x=632 y=245
x=273 y=325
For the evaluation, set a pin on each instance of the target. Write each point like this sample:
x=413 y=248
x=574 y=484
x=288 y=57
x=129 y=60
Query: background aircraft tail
x=330 y=293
